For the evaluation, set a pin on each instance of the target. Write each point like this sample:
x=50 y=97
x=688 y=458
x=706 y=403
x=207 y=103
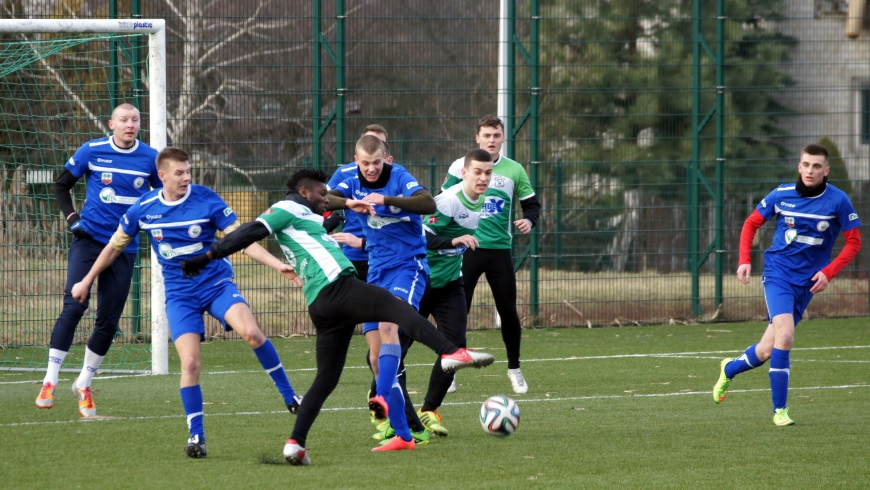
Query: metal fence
x=650 y=130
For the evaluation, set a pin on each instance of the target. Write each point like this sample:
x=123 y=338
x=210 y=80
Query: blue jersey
x=806 y=228
x=353 y=221
x=393 y=235
x=179 y=230
x=115 y=178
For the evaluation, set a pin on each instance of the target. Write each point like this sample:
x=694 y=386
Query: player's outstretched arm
x=117 y=244
x=239 y=239
x=261 y=255
x=420 y=202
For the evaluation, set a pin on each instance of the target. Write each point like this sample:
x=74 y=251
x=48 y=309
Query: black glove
x=190 y=268
x=333 y=221
x=77 y=232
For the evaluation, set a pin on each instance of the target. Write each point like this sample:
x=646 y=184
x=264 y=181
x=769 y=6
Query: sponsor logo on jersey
x=228 y=211
x=165 y=250
x=463 y=216
x=269 y=211
x=789 y=221
x=786 y=204
x=291 y=259
x=194 y=231
x=153 y=216
x=433 y=219
x=763 y=203
x=103 y=160
x=139 y=182
x=378 y=222
x=790 y=235
x=411 y=185
x=853 y=216
x=499 y=181
x=72 y=162
x=359 y=192
x=107 y=195
x=823 y=225
x=106 y=178
x=157 y=234
x=396 y=288
x=492 y=206
x=453 y=252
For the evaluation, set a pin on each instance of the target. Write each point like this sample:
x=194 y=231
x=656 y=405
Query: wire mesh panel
x=660 y=126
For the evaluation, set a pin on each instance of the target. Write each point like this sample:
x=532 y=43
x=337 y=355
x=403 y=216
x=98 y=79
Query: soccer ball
x=499 y=416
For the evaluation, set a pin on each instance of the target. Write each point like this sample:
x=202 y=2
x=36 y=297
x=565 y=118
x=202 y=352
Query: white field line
x=684 y=355
x=475 y=403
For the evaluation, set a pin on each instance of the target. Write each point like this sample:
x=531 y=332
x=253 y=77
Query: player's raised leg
x=242 y=321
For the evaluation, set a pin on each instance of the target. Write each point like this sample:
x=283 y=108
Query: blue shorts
x=783 y=297
x=407 y=282
x=185 y=314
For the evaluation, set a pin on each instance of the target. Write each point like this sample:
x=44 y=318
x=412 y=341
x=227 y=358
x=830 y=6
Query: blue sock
x=388 y=366
x=268 y=357
x=191 y=398
x=748 y=360
x=397 y=413
x=779 y=370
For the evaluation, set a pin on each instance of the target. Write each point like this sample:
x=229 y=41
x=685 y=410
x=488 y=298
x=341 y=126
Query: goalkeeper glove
x=190 y=268
x=77 y=231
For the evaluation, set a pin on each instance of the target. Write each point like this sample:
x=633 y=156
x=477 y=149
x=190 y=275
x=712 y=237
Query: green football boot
x=720 y=391
x=432 y=422
x=385 y=430
x=780 y=417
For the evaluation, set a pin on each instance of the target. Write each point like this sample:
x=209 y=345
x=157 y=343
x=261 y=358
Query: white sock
x=55 y=359
x=89 y=369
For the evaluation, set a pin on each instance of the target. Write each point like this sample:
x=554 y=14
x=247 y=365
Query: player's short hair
x=370 y=144
x=305 y=177
x=477 y=155
x=171 y=153
x=375 y=128
x=123 y=106
x=815 y=150
x=386 y=148
x=490 y=122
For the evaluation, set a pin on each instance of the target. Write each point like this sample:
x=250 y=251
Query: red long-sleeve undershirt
x=754 y=222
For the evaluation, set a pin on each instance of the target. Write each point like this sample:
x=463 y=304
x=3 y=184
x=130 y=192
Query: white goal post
x=155 y=28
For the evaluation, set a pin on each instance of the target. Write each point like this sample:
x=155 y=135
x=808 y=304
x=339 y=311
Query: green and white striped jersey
x=509 y=179
x=315 y=255
x=457 y=215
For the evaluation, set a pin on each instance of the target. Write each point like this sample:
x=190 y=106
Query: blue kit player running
x=118 y=169
x=181 y=220
x=337 y=301
x=397 y=261
x=809 y=215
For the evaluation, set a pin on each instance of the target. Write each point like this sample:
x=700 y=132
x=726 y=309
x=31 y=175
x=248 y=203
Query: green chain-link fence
x=650 y=130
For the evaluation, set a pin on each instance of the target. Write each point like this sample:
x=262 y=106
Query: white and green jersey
x=315 y=255
x=457 y=215
x=509 y=179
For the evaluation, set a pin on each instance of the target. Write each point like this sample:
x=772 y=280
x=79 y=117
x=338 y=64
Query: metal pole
x=315 y=98
x=558 y=214
x=720 y=149
x=509 y=146
x=535 y=103
x=340 y=88
x=693 y=219
x=113 y=59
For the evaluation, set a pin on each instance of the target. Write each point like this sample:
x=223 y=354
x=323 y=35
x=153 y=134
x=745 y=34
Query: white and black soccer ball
x=499 y=416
